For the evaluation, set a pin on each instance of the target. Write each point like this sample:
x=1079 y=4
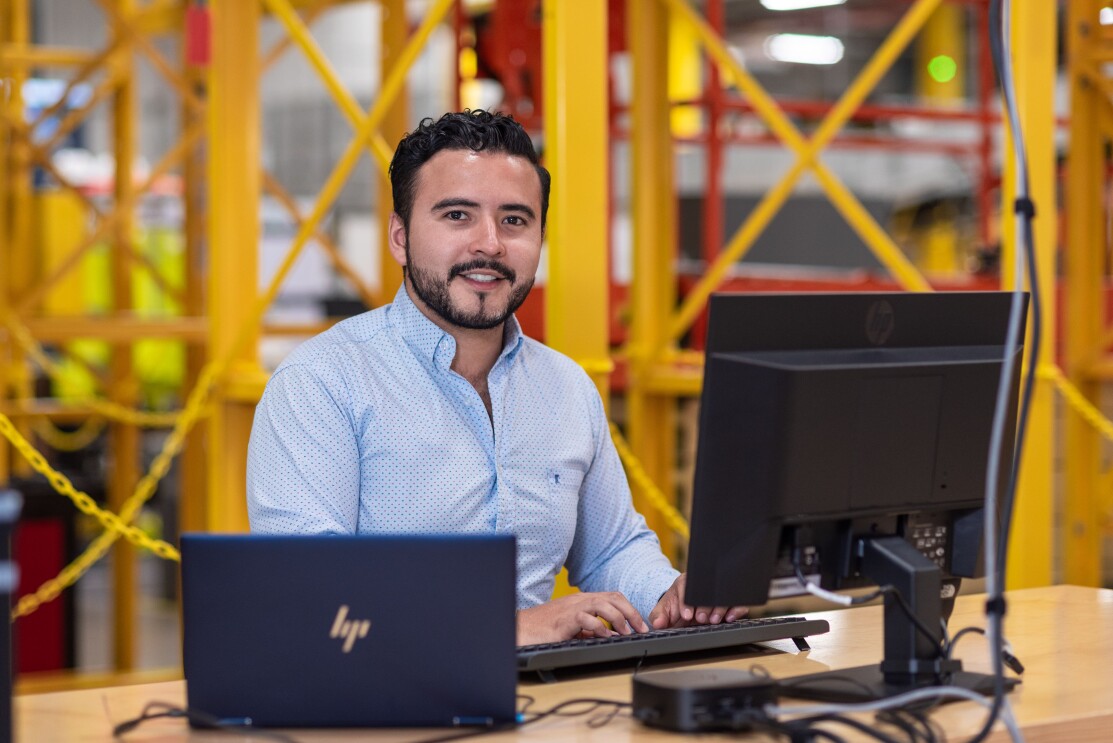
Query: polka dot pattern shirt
x=366 y=429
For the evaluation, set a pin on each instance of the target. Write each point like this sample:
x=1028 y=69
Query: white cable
x=925 y=694
x=993 y=587
x=823 y=593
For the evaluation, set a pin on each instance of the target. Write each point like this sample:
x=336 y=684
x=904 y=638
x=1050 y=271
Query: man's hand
x=671 y=611
x=576 y=614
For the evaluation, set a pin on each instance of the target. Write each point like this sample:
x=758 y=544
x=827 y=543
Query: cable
x=199 y=719
x=925 y=694
x=1000 y=40
x=554 y=711
x=846 y=600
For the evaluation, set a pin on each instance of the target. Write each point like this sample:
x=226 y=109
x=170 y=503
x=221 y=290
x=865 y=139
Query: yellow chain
x=80 y=498
x=60 y=440
x=106 y=408
x=115 y=526
x=1076 y=399
x=637 y=474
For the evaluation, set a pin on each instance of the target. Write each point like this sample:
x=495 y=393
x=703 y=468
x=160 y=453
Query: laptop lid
x=350 y=631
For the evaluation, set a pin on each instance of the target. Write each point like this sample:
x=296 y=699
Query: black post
x=10 y=504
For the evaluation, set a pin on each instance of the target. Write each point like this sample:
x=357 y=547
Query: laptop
x=350 y=631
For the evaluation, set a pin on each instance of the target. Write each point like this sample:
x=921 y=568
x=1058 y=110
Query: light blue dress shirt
x=366 y=429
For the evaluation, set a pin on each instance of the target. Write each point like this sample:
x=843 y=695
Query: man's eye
x=512 y=219
x=455 y=215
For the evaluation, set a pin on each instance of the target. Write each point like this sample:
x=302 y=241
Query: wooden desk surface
x=1062 y=634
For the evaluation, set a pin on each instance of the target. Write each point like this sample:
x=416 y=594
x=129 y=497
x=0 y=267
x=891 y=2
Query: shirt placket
x=504 y=502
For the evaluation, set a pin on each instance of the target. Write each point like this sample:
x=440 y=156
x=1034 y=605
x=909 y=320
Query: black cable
x=958 y=636
x=522 y=721
x=913 y=725
x=858 y=725
x=889 y=590
x=558 y=710
x=795 y=731
x=198 y=719
x=474 y=733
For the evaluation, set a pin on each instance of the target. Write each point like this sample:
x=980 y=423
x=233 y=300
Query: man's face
x=474 y=237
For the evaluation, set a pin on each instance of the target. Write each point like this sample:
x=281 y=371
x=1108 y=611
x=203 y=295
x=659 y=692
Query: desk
x=1062 y=634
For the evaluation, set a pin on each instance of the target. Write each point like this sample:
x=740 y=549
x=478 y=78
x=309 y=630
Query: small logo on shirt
x=349 y=629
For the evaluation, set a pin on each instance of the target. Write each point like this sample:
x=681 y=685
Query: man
x=436 y=414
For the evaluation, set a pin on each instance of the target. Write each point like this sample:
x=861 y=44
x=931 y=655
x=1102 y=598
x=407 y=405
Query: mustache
x=479 y=263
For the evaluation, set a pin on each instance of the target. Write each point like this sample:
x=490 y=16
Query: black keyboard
x=684 y=643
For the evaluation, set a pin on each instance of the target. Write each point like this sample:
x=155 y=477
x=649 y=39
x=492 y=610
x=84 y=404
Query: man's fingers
x=620 y=613
x=737 y=612
x=592 y=626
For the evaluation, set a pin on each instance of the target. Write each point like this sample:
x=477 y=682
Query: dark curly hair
x=476 y=130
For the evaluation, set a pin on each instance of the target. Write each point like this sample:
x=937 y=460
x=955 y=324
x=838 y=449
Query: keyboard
x=685 y=643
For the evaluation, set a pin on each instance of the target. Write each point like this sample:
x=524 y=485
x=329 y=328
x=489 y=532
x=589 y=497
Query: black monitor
x=844 y=441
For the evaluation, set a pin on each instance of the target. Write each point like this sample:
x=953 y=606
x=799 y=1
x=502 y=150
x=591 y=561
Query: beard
x=434 y=292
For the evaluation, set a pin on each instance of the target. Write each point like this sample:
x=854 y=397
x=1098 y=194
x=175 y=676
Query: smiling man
x=435 y=414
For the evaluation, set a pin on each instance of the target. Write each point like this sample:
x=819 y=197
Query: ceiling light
x=804 y=49
x=798 y=4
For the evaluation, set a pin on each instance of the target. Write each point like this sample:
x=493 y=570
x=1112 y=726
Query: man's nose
x=487 y=238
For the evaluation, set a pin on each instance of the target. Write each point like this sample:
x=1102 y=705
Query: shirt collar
x=430 y=342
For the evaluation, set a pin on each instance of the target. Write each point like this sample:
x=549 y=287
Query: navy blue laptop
x=350 y=631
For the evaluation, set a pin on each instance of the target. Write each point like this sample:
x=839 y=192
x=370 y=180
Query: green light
x=942 y=69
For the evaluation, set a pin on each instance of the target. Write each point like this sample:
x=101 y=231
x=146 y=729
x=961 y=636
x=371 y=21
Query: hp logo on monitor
x=879 y=322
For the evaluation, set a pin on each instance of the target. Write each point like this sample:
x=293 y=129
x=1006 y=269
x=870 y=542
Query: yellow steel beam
x=160 y=17
x=193 y=464
x=1098 y=369
x=47 y=408
x=943 y=40
x=93 y=63
x=1030 y=560
x=940 y=74
x=234 y=191
x=109 y=222
x=673 y=380
x=280 y=47
x=651 y=418
x=393 y=31
x=116 y=328
x=272 y=186
x=1086 y=250
x=388 y=93
x=806 y=152
x=43 y=56
x=21 y=269
x=9 y=111
x=73 y=117
x=234 y=188
x=576 y=151
x=123 y=440
x=126 y=27
x=343 y=98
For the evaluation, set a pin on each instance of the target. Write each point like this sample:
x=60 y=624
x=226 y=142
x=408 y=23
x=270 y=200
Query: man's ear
x=396 y=236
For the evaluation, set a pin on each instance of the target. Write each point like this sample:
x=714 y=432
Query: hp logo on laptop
x=349 y=629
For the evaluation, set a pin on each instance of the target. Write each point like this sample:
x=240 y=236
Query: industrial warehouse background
x=189 y=189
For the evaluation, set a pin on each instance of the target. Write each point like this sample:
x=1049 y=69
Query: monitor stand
x=911 y=659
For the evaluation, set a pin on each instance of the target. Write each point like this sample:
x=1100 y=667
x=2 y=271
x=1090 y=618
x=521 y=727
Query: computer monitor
x=844 y=439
